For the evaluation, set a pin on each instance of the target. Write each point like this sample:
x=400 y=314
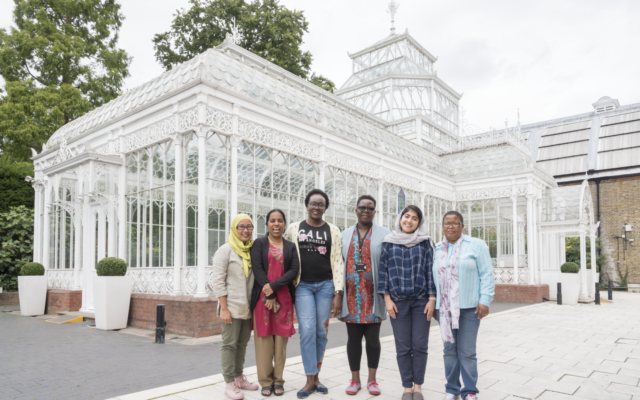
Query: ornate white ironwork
x=392 y=10
x=155 y=280
x=60 y=279
x=352 y=164
x=189 y=119
x=190 y=280
x=218 y=120
x=505 y=275
x=487 y=193
x=150 y=134
x=234 y=35
x=278 y=140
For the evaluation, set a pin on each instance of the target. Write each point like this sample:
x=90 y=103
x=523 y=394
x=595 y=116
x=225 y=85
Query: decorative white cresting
x=189 y=119
x=352 y=164
x=402 y=180
x=278 y=140
x=488 y=193
x=392 y=9
x=152 y=280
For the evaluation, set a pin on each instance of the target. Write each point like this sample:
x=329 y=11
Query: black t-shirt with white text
x=315 y=252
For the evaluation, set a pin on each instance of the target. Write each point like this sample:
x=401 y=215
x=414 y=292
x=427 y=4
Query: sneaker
x=374 y=389
x=232 y=391
x=244 y=384
x=471 y=397
x=353 y=387
x=450 y=396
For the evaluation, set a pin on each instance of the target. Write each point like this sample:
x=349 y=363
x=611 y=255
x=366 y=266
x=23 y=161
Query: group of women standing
x=360 y=276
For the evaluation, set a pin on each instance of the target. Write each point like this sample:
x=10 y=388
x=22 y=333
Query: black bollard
x=559 y=296
x=160 y=323
x=597 y=293
x=610 y=289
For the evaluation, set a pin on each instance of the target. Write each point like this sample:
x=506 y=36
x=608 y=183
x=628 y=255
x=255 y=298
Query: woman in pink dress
x=275 y=265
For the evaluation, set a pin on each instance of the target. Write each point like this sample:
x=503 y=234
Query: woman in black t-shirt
x=319 y=286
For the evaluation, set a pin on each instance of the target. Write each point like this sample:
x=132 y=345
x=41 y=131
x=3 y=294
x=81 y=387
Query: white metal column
x=530 y=239
x=583 y=263
x=178 y=228
x=594 y=263
x=77 y=278
x=514 y=200
x=46 y=245
x=203 y=217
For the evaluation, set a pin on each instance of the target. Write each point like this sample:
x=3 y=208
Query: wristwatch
x=339 y=292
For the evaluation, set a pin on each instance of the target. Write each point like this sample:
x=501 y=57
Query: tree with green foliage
x=59 y=62
x=15 y=190
x=16 y=245
x=269 y=30
x=322 y=82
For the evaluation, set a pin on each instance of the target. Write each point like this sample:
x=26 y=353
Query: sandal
x=267 y=391
x=276 y=388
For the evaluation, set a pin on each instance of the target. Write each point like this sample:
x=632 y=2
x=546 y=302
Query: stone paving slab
x=543 y=351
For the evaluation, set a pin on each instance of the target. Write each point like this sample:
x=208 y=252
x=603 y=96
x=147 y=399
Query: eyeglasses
x=451 y=224
x=363 y=209
x=244 y=228
x=320 y=206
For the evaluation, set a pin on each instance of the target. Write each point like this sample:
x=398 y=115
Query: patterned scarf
x=449 y=290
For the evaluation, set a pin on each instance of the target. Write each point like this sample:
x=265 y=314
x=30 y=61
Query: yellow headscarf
x=240 y=247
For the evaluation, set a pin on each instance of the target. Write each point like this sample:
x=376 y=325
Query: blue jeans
x=460 y=357
x=313 y=309
x=411 y=333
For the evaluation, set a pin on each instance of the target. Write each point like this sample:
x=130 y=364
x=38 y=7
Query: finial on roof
x=392 y=9
x=234 y=36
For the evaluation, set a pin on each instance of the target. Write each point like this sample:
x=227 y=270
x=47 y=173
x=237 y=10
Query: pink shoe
x=244 y=384
x=373 y=387
x=232 y=391
x=471 y=397
x=353 y=387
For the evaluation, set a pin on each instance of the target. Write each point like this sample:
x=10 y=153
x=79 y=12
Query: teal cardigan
x=475 y=273
x=378 y=234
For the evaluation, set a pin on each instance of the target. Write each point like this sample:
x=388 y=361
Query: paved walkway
x=41 y=360
x=544 y=351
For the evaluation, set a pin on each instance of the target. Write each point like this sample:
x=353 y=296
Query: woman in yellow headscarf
x=232 y=283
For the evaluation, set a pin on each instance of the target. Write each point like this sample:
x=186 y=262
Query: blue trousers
x=411 y=333
x=460 y=357
x=313 y=309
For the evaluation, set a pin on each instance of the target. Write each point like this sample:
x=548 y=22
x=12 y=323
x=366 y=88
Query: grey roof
x=604 y=144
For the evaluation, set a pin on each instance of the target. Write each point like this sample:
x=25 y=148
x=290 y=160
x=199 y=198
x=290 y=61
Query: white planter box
x=32 y=292
x=111 y=299
x=570 y=288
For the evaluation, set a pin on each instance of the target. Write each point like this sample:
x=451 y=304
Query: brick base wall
x=63 y=300
x=185 y=315
x=521 y=293
x=9 y=298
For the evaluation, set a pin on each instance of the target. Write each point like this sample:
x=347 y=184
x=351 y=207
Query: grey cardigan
x=229 y=280
x=377 y=236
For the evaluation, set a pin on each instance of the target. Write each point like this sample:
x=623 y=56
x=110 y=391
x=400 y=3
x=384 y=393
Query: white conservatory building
x=155 y=176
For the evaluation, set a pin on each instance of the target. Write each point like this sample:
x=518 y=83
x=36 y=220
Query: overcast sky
x=549 y=58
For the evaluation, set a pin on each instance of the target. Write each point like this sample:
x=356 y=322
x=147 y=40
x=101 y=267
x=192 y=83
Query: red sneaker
x=353 y=388
x=374 y=389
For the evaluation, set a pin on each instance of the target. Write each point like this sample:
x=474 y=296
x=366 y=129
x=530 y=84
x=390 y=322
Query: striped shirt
x=406 y=272
x=475 y=273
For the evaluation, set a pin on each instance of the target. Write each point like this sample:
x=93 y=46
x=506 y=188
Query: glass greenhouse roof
x=399 y=66
x=562 y=204
x=486 y=162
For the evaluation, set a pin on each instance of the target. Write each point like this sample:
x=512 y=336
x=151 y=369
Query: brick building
x=602 y=146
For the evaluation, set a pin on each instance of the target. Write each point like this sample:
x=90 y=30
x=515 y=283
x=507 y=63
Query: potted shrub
x=112 y=294
x=570 y=279
x=32 y=289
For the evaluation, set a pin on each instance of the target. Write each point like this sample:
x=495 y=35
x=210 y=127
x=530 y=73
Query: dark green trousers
x=235 y=337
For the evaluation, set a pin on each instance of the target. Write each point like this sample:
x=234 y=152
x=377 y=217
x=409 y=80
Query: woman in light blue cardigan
x=463 y=275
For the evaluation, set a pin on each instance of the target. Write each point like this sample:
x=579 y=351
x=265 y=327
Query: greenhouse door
x=95 y=249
